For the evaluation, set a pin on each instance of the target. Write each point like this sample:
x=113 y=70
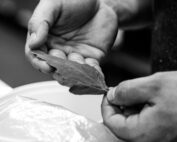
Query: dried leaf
x=81 y=78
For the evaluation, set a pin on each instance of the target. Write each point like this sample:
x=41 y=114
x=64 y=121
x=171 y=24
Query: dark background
x=128 y=61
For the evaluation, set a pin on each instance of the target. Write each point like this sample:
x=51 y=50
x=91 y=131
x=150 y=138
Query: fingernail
x=111 y=94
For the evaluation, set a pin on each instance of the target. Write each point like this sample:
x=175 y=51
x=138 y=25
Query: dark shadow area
x=130 y=61
x=15 y=70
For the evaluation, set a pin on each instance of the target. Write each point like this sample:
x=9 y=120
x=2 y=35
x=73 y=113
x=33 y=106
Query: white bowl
x=52 y=92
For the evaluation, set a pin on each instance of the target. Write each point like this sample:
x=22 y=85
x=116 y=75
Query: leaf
x=82 y=89
x=81 y=78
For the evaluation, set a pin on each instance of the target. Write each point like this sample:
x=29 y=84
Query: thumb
x=132 y=92
x=42 y=19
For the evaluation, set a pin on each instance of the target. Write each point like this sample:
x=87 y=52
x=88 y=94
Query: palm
x=91 y=37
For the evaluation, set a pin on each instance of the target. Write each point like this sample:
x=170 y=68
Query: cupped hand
x=144 y=109
x=77 y=30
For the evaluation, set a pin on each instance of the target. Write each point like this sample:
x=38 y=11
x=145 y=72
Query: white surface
x=52 y=92
x=4 y=88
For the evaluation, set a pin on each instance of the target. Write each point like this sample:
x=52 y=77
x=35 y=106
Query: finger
x=133 y=92
x=57 y=53
x=111 y=109
x=89 y=51
x=114 y=119
x=28 y=53
x=127 y=124
x=76 y=57
x=108 y=110
x=132 y=128
x=41 y=65
x=39 y=38
x=85 y=50
x=40 y=22
x=94 y=63
x=125 y=128
x=37 y=63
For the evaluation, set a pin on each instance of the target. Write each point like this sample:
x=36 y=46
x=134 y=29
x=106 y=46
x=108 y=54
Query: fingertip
x=76 y=57
x=111 y=95
x=89 y=51
x=120 y=94
x=38 y=37
x=45 y=68
x=57 y=53
x=94 y=63
x=41 y=66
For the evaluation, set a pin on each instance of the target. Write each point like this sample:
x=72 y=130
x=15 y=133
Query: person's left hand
x=77 y=30
x=144 y=109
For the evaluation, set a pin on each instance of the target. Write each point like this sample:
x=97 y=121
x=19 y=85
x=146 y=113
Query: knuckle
x=157 y=81
x=100 y=55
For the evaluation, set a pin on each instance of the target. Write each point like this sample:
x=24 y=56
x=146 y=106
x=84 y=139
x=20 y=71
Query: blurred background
x=130 y=58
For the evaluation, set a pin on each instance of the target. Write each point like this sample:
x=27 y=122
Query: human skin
x=143 y=109
x=82 y=31
x=133 y=14
x=76 y=30
x=155 y=120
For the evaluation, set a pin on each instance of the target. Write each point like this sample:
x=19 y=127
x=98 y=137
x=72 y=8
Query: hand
x=78 y=30
x=155 y=120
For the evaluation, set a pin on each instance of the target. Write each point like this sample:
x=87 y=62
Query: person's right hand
x=78 y=30
x=144 y=109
